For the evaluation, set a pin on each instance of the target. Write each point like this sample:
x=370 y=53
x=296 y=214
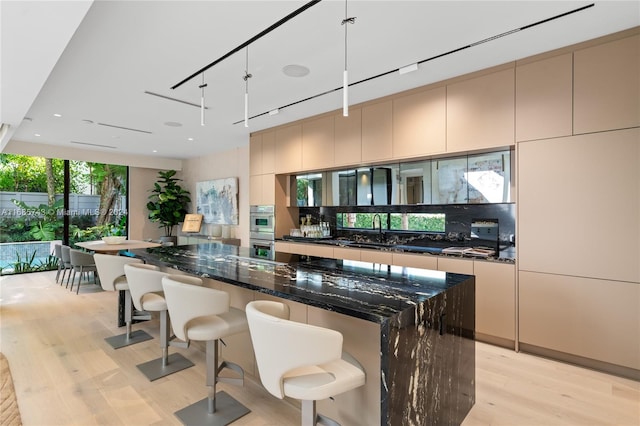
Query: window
x=421 y=222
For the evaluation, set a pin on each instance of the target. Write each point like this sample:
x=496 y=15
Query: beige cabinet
x=376 y=256
x=269 y=152
x=495 y=302
x=346 y=253
x=589 y=318
x=578 y=204
x=455 y=265
x=544 y=98
x=317 y=143
x=607 y=86
x=282 y=247
x=262 y=190
x=481 y=112
x=377 y=131
x=319 y=250
x=255 y=154
x=288 y=142
x=411 y=260
x=419 y=123
x=262 y=153
x=347 y=145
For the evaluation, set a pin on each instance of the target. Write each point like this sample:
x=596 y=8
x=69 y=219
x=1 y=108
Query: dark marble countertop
x=369 y=291
x=428 y=247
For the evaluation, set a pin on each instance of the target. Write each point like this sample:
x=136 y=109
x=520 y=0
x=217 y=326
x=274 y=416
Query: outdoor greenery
x=421 y=222
x=45 y=222
x=168 y=202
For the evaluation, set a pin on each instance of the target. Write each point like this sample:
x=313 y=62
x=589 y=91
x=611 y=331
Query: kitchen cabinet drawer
x=319 y=250
x=458 y=266
x=346 y=253
x=376 y=256
x=415 y=260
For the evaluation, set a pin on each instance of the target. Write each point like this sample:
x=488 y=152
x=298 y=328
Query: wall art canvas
x=217 y=201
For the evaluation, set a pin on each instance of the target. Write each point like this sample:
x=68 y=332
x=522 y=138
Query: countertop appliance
x=262 y=231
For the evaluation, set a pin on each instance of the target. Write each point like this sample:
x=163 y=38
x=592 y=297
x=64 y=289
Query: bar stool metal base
x=121 y=340
x=227 y=411
x=154 y=369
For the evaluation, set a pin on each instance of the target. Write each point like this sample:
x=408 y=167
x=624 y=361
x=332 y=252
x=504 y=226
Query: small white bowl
x=114 y=240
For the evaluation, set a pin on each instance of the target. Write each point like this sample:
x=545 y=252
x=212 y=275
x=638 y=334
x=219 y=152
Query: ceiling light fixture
x=294 y=70
x=36 y=135
x=57 y=115
x=251 y=40
x=274 y=111
x=432 y=58
x=202 y=107
x=345 y=75
x=408 y=68
x=246 y=77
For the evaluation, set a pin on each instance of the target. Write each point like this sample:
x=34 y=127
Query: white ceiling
x=121 y=49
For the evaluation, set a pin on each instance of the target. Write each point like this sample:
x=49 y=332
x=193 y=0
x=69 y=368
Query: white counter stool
x=145 y=285
x=112 y=278
x=203 y=314
x=82 y=262
x=299 y=360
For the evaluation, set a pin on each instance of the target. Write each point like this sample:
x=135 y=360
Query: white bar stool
x=299 y=360
x=145 y=285
x=112 y=278
x=203 y=314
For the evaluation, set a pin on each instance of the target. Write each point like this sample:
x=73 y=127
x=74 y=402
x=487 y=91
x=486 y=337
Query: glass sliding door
x=44 y=202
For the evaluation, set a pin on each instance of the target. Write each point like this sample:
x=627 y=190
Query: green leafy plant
x=168 y=202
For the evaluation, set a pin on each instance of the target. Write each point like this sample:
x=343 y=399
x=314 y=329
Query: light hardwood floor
x=65 y=374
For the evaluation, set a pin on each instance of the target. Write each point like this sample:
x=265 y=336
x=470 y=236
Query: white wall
x=232 y=163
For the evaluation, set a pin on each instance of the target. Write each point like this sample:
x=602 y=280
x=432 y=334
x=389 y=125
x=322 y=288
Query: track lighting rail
x=251 y=40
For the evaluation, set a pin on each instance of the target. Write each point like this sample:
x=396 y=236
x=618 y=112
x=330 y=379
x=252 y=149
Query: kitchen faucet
x=373 y=225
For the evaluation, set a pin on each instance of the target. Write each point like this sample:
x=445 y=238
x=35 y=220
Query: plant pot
x=172 y=239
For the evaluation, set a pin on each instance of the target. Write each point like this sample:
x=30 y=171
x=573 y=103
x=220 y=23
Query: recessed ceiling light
x=189 y=139
x=155 y=150
x=36 y=134
x=172 y=124
x=57 y=115
x=294 y=70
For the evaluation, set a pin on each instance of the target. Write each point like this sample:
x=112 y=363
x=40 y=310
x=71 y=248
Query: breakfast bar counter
x=420 y=325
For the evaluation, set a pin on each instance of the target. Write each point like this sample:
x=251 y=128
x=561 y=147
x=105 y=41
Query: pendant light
x=345 y=75
x=202 y=107
x=246 y=77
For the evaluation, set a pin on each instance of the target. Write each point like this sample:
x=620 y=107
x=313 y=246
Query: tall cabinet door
x=317 y=144
x=289 y=149
x=544 y=98
x=347 y=146
x=607 y=86
x=419 y=123
x=377 y=131
x=481 y=112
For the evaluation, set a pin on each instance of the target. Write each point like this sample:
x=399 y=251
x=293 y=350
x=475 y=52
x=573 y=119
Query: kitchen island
x=412 y=329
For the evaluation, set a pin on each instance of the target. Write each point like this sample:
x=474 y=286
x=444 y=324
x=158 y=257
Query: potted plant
x=168 y=203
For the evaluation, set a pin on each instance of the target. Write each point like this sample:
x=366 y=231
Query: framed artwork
x=217 y=201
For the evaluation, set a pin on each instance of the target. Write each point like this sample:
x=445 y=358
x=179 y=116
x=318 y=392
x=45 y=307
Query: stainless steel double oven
x=262 y=231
